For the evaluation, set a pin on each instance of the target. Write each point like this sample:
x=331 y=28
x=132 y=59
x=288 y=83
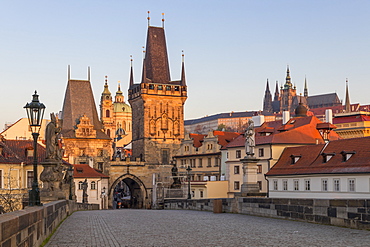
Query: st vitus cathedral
x=287 y=99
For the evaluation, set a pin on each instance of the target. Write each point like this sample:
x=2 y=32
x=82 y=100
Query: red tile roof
x=85 y=171
x=223 y=137
x=299 y=130
x=15 y=152
x=351 y=119
x=312 y=160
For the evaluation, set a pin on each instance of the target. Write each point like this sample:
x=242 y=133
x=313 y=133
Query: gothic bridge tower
x=157 y=104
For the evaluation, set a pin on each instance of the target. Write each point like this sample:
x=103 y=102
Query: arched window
x=107 y=113
x=80 y=185
x=93 y=185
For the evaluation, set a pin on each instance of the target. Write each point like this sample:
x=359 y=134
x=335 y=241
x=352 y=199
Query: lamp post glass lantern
x=35 y=112
x=189 y=170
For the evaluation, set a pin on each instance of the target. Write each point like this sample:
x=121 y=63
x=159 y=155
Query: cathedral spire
x=348 y=103
x=267 y=102
x=183 y=80
x=305 y=93
x=131 y=72
x=276 y=96
x=288 y=83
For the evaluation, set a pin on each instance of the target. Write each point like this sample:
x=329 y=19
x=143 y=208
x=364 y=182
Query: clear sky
x=231 y=48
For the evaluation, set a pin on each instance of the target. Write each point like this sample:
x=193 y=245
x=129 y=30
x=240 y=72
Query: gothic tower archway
x=128 y=191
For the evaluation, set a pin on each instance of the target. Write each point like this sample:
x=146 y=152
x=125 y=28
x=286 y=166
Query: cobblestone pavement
x=130 y=227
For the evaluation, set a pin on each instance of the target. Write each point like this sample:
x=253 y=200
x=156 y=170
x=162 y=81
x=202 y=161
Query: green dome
x=121 y=107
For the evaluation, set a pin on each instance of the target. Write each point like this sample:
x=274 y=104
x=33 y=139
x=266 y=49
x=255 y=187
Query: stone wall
x=32 y=225
x=354 y=213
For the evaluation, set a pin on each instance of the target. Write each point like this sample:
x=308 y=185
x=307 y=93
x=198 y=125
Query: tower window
x=151 y=86
x=107 y=113
x=160 y=87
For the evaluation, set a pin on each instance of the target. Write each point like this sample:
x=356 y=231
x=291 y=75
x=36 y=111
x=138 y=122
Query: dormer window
x=79 y=170
x=29 y=152
x=327 y=156
x=294 y=159
x=346 y=155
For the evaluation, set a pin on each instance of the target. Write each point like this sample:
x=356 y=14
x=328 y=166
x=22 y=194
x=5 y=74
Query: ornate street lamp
x=35 y=112
x=70 y=175
x=189 y=170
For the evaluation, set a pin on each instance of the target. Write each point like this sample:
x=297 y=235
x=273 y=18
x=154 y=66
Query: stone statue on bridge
x=249 y=139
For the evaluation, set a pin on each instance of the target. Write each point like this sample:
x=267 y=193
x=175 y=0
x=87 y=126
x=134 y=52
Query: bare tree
x=11 y=196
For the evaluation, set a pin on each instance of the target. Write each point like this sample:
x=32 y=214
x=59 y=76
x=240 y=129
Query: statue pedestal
x=250 y=186
x=52 y=178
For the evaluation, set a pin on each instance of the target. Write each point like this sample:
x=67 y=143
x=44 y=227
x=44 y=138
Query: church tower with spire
x=267 y=102
x=106 y=110
x=157 y=104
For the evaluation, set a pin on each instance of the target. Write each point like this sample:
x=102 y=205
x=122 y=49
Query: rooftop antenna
x=148 y=18
x=69 y=72
x=162 y=20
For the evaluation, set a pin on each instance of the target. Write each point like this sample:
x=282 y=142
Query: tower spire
x=276 y=96
x=267 y=103
x=88 y=73
x=288 y=83
x=131 y=72
x=305 y=92
x=183 y=80
x=348 y=103
x=163 y=20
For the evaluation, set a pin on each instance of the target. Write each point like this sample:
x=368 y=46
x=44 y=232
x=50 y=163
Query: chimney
x=286 y=116
x=258 y=120
x=329 y=116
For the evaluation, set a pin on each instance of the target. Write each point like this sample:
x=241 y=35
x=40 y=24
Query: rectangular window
x=227 y=155
x=351 y=184
x=100 y=152
x=29 y=179
x=165 y=156
x=201 y=194
x=285 y=184
x=200 y=162
x=1 y=178
x=209 y=162
x=217 y=162
x=307 y=184
x=192 y=163
x=259 y=185
x=275 y=184
x=336 y=184
x=238 y=154
x=259 y=168
x=236 y=185
x=100 y=166
x=324 y=184
x=236 y=170
x=296 y=184
x=261 y=152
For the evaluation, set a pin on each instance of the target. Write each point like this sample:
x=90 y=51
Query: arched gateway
x=128 y=191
